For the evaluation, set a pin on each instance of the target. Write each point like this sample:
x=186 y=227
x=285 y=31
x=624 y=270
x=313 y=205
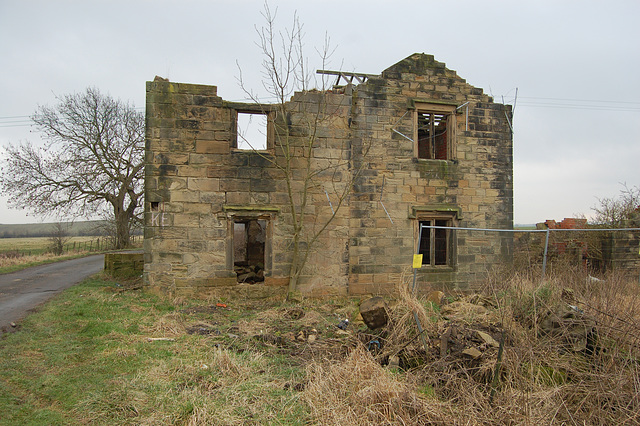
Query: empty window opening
x=249 y=237
x=432 y=136
x=435 y=243
x=252 y=131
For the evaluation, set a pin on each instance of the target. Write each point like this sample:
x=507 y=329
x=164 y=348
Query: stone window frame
x=254 y=109
x=434 y=108
x=448 y=214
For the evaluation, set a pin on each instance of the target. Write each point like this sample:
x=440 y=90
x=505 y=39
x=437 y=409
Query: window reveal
x=435 y=244
x=252 y=131
x=434 y=134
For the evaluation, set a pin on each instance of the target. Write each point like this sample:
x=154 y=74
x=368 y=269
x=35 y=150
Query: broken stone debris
x=472 y=352
x=462 y=311
x=486 y=338
x=309 y=336
x=437 y=298
x=468 y=340
x=374 y=312
x=394 y=361
x=250 y=274
x=294 y=313
x=203 y=329
x=577 y=329
x=466 y=333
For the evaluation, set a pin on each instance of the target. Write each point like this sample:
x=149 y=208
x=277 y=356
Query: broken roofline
x=416 y=63
x=347 y=76
x=258 y=107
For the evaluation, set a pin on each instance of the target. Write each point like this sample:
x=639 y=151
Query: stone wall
x=198 y=184
x=124 y=264
x=477 y=180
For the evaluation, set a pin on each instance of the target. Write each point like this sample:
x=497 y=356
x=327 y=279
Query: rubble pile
x=463 y=334
x=250 y=274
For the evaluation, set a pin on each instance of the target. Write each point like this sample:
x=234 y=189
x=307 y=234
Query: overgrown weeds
x=570 y=356
x=96 y=354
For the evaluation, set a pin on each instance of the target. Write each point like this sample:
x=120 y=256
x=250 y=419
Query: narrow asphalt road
x=22 y=291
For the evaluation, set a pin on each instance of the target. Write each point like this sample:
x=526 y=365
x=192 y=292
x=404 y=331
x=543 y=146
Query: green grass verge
x=85 y=357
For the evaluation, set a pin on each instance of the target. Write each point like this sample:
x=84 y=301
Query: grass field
x=97 y=365
x=102 y=354
x=21 y=253
x=36 y=244
x=85 y=227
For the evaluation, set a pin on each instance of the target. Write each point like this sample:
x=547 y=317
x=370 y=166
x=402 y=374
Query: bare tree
x=58 y=237
x=286 y=72
x=619 y=212
x=91 y=162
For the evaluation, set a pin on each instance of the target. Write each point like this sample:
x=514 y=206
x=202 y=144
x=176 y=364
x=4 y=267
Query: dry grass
x=255 y=362
x=542 y=377
x=13 y=258
x=358 y=391
x=37 y=243
x=169 y=326
x=8 y=260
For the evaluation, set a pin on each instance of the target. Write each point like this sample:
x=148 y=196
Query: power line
x=26 y=120
x=583 y=107
x=580 y=104
x=526 y=101
x=579 y=100
x=15 y=116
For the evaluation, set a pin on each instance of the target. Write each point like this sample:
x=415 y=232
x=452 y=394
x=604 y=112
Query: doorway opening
x=249 y=239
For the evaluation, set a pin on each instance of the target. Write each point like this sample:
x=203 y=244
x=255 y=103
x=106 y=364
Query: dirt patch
x=303 y=333
x=318 y=330
x=203 y=329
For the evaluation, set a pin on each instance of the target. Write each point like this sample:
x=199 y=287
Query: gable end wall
x=196 y=183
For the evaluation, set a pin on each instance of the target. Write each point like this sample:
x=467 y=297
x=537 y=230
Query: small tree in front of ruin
x=91 y=162
x=286 y=72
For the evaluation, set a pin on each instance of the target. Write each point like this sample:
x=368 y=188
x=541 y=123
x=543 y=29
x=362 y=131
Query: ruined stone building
x=396 y=160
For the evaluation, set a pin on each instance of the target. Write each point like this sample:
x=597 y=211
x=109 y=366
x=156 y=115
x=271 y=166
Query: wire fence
x=539 y=252
x=595 y=250
x=97 y=244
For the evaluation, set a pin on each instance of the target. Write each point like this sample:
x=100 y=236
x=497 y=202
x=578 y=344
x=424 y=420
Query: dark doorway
x=249 y=237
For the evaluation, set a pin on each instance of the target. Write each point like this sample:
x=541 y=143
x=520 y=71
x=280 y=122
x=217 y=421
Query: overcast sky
x=575 y=65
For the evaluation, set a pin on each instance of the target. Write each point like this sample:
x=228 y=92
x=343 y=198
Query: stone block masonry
x=128 y=265
x=215 y=212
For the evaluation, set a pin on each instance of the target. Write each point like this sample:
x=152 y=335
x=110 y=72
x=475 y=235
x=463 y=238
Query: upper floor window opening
x=253 y=131
x=434 y=134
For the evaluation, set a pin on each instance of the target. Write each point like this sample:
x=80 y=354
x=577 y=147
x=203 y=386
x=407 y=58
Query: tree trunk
x=294 y=272
x=123 y=238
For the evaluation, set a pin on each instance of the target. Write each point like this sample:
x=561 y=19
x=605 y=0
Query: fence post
x=413 y=289
x=544 y=259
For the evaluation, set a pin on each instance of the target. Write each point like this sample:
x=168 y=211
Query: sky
x=573 y=65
